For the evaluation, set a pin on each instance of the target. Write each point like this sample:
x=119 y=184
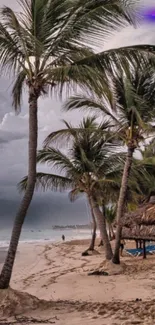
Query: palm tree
x=137 y=102
x=131 y=109
x=42 y=47
x=89 y=167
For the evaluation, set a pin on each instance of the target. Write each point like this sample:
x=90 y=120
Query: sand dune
x=53 y=287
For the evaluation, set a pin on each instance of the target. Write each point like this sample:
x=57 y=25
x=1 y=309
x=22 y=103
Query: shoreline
x=55 y=237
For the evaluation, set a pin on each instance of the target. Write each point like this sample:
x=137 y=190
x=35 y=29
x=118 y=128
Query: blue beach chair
x=138 y=251
x=134 y=251
x=150 y=249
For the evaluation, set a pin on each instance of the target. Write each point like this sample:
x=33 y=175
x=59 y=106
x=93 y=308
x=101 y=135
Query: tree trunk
x=100 y=243
x=144 y=249
x=101 y=221
x=92 y=243
x=112 y=231
x=121 y=204
x=25 y=203
x=107 y=225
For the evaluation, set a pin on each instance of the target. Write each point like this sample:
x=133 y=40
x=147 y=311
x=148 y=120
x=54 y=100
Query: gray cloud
x=49 y=207
x=6 y=136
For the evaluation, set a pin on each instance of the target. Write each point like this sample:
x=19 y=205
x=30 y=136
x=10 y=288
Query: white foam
x=49 y=235
x=4 y=243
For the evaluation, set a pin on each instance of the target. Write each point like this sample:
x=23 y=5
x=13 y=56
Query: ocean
x=43 y=235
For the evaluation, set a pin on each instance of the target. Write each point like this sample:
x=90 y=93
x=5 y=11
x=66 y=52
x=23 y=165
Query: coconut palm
x=88 y=167
x=131 y=109
x=136 y=98
x=42 y=49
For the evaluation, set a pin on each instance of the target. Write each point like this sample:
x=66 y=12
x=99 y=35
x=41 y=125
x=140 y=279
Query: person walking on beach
x=122 y=244
x=63 y=237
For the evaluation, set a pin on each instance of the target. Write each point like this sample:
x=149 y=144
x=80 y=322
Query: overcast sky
x=48 y=207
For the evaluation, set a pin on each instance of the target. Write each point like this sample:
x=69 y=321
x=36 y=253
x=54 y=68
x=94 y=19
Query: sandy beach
x=57 y=275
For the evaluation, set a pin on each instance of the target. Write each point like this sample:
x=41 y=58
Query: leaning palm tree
x=132 y=110
x=136 y=112
x=89 y=167
x=42 y=48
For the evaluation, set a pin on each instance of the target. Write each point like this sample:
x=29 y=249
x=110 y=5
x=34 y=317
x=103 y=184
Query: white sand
x=58 y=272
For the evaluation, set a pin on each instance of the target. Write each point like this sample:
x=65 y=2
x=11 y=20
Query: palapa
x=143 y=216
x=146 y=233
x=140 y=225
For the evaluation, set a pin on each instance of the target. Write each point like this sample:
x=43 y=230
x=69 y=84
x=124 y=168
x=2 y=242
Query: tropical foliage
x=92 y=165
x=88 y=167
x=131 y=109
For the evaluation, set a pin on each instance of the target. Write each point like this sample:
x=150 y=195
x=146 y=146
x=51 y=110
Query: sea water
x=43 y=235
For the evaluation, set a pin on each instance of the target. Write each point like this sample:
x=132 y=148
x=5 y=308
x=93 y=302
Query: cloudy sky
x=47 y=207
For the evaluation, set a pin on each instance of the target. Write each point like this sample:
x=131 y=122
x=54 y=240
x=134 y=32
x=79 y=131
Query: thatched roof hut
x=146 y=233
x=140 y=225
x=140 y=234
x=144 y=215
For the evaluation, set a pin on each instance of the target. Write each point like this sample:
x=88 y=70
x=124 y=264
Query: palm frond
x=55 y=158
x=10 y=52
x=88 y=126
x=93 y=19
x=124 y=57
x=75 y=194
x=88 y=72
x=133 y=100
x=89 y=104
x=47 y=181
x=71 y=77
x=110 y=213
x=13 y=24
x=17 y=90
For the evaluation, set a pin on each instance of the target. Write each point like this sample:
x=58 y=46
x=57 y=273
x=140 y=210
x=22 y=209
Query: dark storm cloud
x=45 y=211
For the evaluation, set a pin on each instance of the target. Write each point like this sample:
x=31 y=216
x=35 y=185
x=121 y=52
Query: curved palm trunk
x=109 y=231
x=20 y=216
x=112 y=232
x=121 y=204
x=100 y=243
x=92 y=243
x=102 y=227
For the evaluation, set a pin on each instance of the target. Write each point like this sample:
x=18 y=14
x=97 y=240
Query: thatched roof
x=144 y=215
x=139 y=232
